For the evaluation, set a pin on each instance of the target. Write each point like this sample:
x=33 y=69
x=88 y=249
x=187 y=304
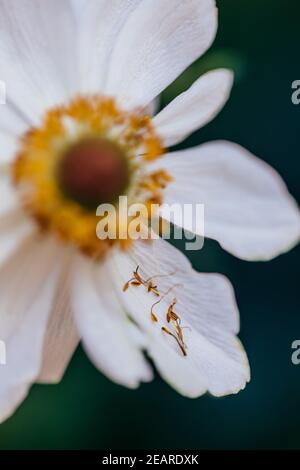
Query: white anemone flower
x=81 y=78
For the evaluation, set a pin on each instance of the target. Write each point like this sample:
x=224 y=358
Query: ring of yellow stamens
x=42 y=150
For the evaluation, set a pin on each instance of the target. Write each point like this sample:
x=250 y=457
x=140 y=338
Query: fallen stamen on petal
x=180 y=344
x=162 y=297
x=137 y=281
x=154 y=317
x=171 y=316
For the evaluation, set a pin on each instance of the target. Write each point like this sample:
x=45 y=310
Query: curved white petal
x=195 y=107
x=215 y=359
x=158 y=42
x=105 y=330
x=36 y=53
x=61 y=337
x=15 y=228
x=100 y=23
x=247 y=206
x=25 y=303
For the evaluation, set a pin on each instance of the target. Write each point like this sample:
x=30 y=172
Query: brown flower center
x=93 y=172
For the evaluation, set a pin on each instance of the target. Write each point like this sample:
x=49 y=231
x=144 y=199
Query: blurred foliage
x=260 y=41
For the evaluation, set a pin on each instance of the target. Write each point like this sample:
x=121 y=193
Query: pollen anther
x=171 y=316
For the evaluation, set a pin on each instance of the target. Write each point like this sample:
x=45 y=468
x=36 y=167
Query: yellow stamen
x=42 y=149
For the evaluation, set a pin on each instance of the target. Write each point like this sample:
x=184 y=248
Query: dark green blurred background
x=260 y=40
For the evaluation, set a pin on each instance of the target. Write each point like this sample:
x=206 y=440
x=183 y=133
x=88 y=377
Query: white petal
x=15 y=228
x=78 y=6
x=8 y=148
x=25 y=303
x=100 y=23
x=12 y=126
x=195 y=107
x=36 y=62
x=215 y=360
x=11 y=122
x=62 y=337
x=153 y=107
x=8 y=194
x=104 y=327
x=159 y=41
x=247 y=206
